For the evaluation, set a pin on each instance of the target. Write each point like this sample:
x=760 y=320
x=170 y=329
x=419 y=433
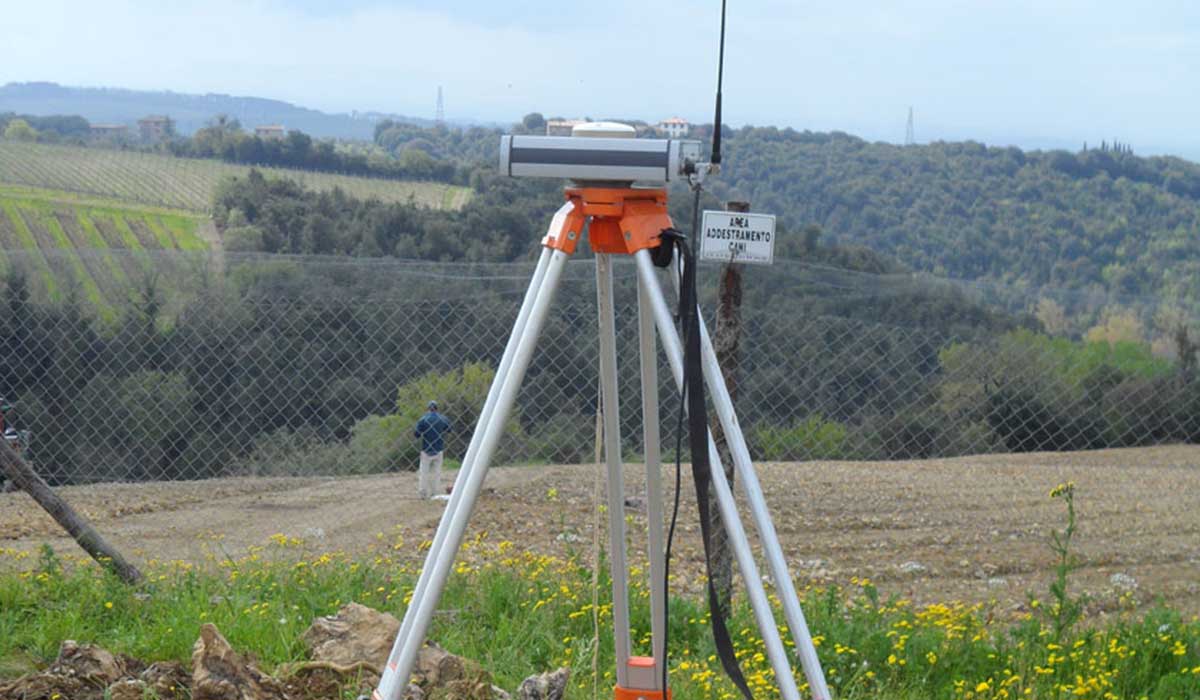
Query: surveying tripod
x=619 y=221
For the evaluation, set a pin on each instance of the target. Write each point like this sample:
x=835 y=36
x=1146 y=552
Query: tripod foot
x=642 y=671
x=620 y=693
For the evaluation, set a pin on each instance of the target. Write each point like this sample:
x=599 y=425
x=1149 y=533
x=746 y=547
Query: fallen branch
x=20 y=473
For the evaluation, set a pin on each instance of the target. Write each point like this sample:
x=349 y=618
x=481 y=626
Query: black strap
x=693 y=377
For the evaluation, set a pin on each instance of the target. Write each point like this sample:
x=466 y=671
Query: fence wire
x=283 y=366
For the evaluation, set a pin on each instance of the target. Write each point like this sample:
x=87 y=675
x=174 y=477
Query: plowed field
x=972 y=529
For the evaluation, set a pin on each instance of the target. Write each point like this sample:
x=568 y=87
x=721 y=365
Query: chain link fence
x=288 y=366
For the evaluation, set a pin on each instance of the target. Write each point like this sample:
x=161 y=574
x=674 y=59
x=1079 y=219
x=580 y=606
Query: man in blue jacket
x=430 y=431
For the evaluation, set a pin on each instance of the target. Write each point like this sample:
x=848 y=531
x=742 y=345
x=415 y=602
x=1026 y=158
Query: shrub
x=911 y=433
x=564 y=438
x=812 y=438
x=243 y=239
x=1035 y=392
x=387 y=443
x=1026 y=420
x=140 y=424
x=301 y=452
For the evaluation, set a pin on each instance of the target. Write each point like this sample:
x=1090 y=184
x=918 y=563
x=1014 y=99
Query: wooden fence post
x=726 y=340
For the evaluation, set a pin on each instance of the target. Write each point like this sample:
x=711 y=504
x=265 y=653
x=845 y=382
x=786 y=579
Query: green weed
x=519 y=612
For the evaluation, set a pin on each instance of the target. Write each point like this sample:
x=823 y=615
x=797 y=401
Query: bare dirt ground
x=972 y=529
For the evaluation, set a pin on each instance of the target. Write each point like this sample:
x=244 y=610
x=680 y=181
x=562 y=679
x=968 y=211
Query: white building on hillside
x=674 y=127
x=270 y=131
x=562 y=127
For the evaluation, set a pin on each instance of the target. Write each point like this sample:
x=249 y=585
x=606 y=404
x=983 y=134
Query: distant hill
x=1097 y=221
x=190 y=112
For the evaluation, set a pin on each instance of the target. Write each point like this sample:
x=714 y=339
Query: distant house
x=270 y=131
x=562 y=127
x=108 y=131
x=156 y=127
x=674 y=127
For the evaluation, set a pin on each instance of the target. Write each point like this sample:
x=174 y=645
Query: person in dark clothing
x=7 y=430
x=431 y=430
x=9 y=434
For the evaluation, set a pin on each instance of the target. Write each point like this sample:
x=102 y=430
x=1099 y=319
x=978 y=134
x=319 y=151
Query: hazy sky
x=1029 y=72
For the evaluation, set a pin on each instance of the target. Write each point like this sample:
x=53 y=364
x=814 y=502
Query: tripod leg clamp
x=566 y=229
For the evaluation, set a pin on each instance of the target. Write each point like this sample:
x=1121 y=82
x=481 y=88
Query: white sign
x=731 y=236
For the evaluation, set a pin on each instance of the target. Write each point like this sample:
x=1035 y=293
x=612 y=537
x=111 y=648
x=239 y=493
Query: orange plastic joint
x=620 y=693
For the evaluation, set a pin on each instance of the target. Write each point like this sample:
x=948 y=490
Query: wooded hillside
x=1100 y=219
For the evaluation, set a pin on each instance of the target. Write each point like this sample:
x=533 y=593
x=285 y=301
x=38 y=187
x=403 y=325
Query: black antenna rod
x=716 y=142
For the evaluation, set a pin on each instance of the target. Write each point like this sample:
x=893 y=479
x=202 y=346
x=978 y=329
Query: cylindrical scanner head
x=608 y=154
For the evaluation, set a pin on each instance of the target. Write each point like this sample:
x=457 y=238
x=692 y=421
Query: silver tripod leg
x=762 y=520
x=400 y=662
x=612 y=457
x=759 y=602
x=468 y=462
x=654 y=496
x=772 y=549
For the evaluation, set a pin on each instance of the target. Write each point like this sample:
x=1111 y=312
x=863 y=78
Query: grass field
x=183 y=183
x=67 y=243
x=519 y=613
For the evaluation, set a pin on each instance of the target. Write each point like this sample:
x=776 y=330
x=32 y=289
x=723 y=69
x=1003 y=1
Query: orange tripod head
x=622 y=220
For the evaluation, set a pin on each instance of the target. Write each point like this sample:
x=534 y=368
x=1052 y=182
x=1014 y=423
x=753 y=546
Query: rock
x=436 y=667
x=547 y=686
x=48 y=685
x=912 y=567
x=88 y=663
x=445 y=676
x=356 y=633
x=997 y=582
x=220 y=673
x=81 y=672
x=128 y=689
x=463 y=689
x=167 y=680
x=318 y=679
